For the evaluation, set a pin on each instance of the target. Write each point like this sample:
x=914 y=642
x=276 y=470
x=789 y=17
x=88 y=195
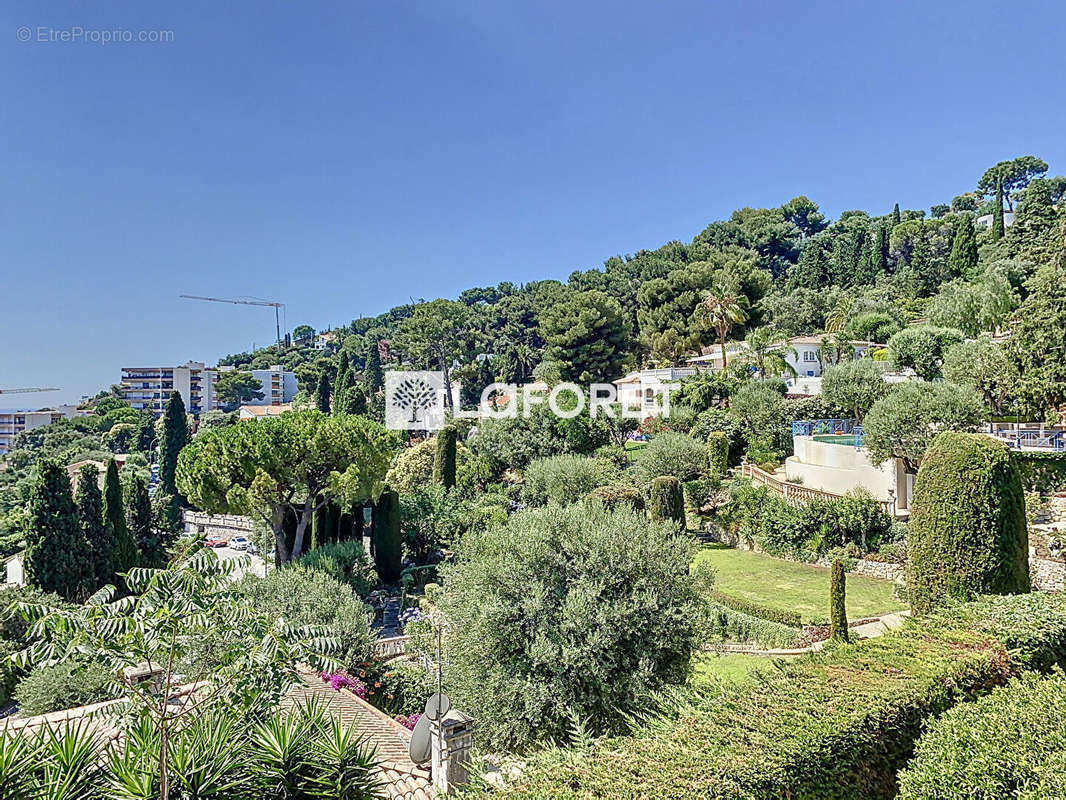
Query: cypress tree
x=387 y=546
x=345 y=384
x=322 y=393
x=997 y=212
x=175 y=437
x=373 y=376
x=963 y=259
x=57 y=554
x=895 y=215
x=150 y=545
x=444 y=459
x=354 y=401
x=94 y=527
x=667 y=502
x=838 y=614
x=124 y=552
x=343 y=364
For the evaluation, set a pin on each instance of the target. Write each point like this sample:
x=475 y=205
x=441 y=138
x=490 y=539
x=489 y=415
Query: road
x=256 y=566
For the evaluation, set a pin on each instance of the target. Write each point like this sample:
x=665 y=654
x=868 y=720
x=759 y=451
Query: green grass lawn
x=727 y=668
x=792 y=586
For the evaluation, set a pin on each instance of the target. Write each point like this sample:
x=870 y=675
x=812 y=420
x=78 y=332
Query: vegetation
x=345 y=562
x=175 y=437
x=672 y=454
x=792 y=588
x=967 y=530
x=855 y=385
x=388 y=550
x=68 y=684
x=564 y=479
x=667 y=504
x=57 y=552
x=718 y=453
x=521 y=602
x=444 y=461
x=838 y=613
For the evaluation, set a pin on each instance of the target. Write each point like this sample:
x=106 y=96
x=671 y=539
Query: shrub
x=345 y=561
x=1042 y=472
x=405 y=686
x=731 y=625
x=414 y=468
x=444 y=459
x=672 y=454
x=666 y=503
x=567 y=614
x=388 y=547
x=698 y=492
x=432 y=518
x=838 y=615
x=790 y=618
x=1008 y=744
x=308 y=597
x=64 y=685
x=922 y=348
x=617 y=495
x=967 y=530
x=717 y=453
x=794 y=734
x=564 y=479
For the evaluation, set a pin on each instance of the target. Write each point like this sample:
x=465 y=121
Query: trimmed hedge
x=1042 y=472
x=967 y=532
x=667 y=501
x=838 y=723
x=790 y=618
x=616 y=495
x=838 y=614
x=718 y=453
x=1011 y=743
x=444 y=459
x=726 y=624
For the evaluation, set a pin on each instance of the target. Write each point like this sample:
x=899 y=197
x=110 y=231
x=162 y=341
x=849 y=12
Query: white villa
x=644 y=388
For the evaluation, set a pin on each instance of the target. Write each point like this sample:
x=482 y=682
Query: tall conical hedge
x=444 y=458
x=94 y=526
x=124 y=556
x=150 y=545
x=667 y=501
x=963 y=258
x=322 y=393
x=997 y=212
x=388 y=549
x=967 y=532
x=718 y=453
x=57 y=553
x=838 y=614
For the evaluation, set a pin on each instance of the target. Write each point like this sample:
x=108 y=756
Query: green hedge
x=1042 y=472
x=967 y=531
x=1009 y=744
x=726 y=624
x=790 y=618
x=838 y=723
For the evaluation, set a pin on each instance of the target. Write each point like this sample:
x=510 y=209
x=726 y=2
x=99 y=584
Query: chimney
x=451 y=740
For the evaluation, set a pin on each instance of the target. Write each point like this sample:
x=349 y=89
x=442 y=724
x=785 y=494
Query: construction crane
x=250 y=302
x=29 y=389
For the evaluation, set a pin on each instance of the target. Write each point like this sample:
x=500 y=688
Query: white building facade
x=644 y=389
x=150 y=387
x=14 y=422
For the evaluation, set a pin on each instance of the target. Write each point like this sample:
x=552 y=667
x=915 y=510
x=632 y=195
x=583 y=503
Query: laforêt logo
x=414 y=400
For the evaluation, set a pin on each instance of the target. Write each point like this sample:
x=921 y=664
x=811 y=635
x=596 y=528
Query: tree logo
x=414 y=400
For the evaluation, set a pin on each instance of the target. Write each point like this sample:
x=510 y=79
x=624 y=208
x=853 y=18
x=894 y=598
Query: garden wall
x=197 y=522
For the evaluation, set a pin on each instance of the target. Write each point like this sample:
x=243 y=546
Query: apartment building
x=150 y=387
x=14 y=422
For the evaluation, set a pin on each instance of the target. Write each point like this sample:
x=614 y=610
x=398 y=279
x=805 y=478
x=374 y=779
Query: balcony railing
x=1033 y=438
x=797 y=494
x=829 y=427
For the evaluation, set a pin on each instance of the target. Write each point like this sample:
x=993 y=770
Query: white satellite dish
x=437 y=706
x=420 y=749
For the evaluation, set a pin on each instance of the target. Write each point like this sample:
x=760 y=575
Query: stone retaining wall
x=216 y=524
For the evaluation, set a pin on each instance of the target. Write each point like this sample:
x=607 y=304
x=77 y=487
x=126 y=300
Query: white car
x=239 y=543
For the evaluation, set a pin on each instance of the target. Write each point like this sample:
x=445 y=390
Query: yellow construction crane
x=26 y=390
x=248 y=302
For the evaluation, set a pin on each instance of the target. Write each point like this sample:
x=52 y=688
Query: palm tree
x=769 y=356
x=725 y=306
x=836 y=319
x=524 y=358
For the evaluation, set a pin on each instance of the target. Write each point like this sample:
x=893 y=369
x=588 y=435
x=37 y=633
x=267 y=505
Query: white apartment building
x=150 y=387
x=14 y=422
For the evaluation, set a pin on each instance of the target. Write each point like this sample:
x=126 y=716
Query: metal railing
x=1035 y=438
x=829 y=427
x=797 y=494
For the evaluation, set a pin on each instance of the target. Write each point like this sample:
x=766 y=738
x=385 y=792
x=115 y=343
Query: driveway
x=256 y=567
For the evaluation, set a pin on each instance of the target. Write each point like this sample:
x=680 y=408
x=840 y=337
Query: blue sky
x=342 y=157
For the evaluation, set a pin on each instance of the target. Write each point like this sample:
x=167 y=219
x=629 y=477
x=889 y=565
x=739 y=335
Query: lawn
x=726 y=668
x=792 y=586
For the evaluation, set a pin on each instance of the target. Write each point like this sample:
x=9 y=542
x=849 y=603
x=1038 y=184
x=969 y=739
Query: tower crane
x=249 y=302
x=29 y=389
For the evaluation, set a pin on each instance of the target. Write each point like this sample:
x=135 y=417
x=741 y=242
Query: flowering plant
x=409 y=722
x=339 y=680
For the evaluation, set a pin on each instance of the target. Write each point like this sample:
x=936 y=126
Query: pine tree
x=963 y=259
x=354 y=401
x=124 y=552
x=997 y=212
x=57 y=554
x=895 y=215
x=838 y=615
x=175 y=437
x=322 y=393
x=150 y=547
x=94 y=527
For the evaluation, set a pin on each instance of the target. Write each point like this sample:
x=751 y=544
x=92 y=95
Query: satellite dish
x=437 y=706
x=420 y=749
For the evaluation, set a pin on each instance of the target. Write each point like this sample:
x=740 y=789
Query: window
x=809 y=355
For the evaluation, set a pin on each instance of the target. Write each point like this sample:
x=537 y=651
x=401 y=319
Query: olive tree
x=855 y=385
x=282 y=469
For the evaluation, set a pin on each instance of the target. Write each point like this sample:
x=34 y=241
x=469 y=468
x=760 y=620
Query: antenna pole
x=277 y=327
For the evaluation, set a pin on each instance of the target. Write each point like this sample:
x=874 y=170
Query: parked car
x=251 y=549
x=239 y=543
x=215 y=541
